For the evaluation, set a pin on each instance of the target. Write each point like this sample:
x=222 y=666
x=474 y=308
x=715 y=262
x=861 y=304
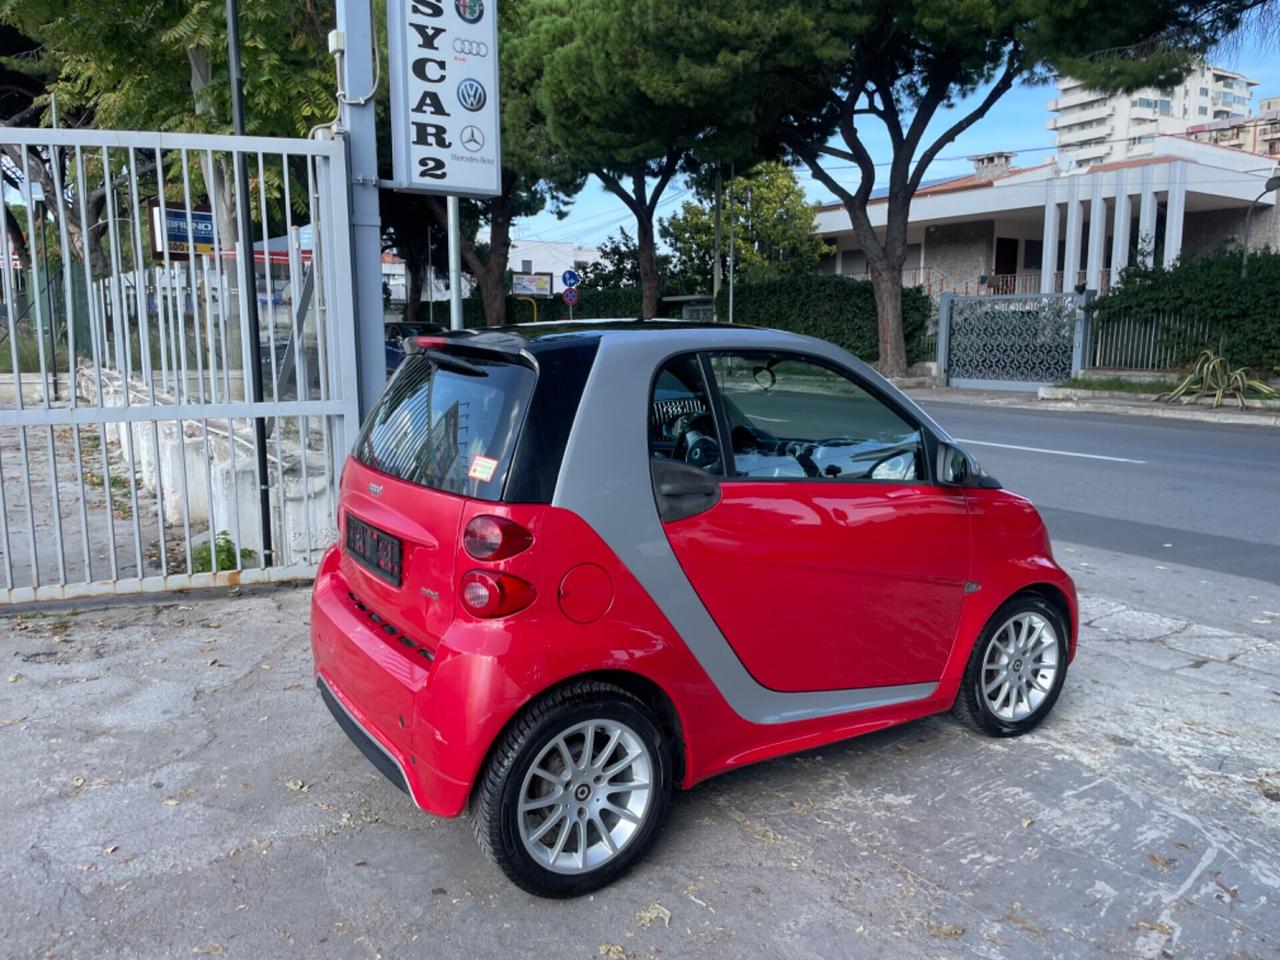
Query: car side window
x=789 y=416
x=681 y=424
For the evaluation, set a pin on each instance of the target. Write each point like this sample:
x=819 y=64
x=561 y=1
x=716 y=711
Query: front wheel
x=575 y=791
x=1016 y=670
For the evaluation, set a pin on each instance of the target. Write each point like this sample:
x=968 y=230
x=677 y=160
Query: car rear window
x=448 y=422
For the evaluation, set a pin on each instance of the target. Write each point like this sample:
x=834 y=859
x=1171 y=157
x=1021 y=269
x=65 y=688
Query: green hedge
x=838 y=309
x=622 y=302
x=834 y=308
x=1243 y=315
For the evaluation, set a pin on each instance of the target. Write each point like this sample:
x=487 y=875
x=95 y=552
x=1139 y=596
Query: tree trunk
x=415 y=273
x=215 y=176
x=491 y=277
x=886 y=280
x=647 y=261
x=17 y=242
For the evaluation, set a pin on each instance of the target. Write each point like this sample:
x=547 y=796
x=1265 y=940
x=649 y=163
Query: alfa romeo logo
x=471 y=95
x=470 y=48
x=472 y=137
x=469 y=10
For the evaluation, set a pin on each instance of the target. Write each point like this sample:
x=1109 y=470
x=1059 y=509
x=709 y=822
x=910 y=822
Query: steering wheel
x=695 y=439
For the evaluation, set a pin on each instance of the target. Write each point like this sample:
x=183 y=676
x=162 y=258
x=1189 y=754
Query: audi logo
x=470 y=48
x=471 y=95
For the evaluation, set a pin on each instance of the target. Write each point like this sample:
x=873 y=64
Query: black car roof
x=534 y=338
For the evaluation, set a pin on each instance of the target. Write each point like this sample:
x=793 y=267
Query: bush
x=1243 y=316
x=834 y=308
x=202 y=557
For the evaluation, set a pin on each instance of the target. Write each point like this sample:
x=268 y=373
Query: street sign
x=444 y=96
x=570 y=278
x=570 y=296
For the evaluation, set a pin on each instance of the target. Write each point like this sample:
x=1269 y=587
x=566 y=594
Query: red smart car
x=581 y=566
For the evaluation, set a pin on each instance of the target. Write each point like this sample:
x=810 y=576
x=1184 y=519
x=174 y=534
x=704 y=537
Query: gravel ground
x=175 y=788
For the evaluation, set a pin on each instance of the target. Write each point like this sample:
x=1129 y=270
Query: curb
x=1083 y=404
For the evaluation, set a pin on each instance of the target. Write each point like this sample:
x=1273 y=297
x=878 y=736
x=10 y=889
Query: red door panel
x=829 y=586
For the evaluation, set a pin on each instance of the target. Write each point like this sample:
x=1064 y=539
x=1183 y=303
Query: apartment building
x=1091 y=127
x=1260 y=134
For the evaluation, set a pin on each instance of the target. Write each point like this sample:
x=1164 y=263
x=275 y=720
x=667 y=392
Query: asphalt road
x=1178 y=515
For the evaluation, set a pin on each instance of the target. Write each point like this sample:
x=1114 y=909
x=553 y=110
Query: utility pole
x=249 y=283
x=455 y=263
x=715 y=266
x=731 y=247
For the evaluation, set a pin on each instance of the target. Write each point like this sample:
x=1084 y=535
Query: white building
x=1091 y=127
x=1042 y=229
x=548 y=256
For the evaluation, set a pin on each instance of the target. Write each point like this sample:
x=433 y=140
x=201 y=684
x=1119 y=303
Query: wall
x=962 y=251
x=1210 y=230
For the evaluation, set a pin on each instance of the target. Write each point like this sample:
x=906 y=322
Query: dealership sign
x=444 y=96
x=184 y=232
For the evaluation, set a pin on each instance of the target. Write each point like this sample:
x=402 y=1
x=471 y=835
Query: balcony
x=1064 y=121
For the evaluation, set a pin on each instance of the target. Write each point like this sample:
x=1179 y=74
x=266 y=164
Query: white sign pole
x=455 y=264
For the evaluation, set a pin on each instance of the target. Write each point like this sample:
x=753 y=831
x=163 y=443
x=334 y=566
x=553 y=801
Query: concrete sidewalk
x=1098 y=401
x=175 y=788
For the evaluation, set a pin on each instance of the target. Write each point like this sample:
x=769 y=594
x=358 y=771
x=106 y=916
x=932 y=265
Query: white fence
x=1151 y=341
x=133 y=454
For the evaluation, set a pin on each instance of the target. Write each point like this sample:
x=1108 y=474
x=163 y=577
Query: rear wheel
x=575 y=791
x=1016 y=669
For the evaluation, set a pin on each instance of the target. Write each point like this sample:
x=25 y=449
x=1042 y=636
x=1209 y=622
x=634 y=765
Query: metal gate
x=1013 y=342
x=130 y=453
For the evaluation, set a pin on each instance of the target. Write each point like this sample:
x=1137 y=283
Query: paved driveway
x=174 y=788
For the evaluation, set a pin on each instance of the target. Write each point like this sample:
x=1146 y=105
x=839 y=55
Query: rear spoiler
x=510 y=345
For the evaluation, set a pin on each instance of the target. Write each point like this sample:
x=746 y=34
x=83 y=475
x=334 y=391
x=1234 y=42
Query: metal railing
x=129 y=459
x=1155 y=341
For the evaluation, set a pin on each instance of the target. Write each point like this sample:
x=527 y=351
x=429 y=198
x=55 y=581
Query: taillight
x=486 y=594
x=494 y=538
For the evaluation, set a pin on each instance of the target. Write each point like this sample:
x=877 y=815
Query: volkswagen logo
x=470 y=48
x=471 y=95
x=472 y=137
x=469 y=10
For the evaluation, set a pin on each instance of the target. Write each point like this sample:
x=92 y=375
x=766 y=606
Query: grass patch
x=118 y=484
x=1119 y=384
x=202 y=556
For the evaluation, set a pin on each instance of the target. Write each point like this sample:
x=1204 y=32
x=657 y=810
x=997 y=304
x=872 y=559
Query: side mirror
x=956 y=468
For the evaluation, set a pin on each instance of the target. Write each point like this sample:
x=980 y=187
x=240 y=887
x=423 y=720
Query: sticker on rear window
x=482 y=468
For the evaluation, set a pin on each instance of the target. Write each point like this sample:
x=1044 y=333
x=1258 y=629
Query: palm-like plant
x=1213 y=375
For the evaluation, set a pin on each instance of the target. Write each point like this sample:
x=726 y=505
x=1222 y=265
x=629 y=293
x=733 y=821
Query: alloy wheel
x=585 y=796
x=1019 y=667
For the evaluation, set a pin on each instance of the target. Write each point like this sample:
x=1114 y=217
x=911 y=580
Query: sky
x=1016 y=123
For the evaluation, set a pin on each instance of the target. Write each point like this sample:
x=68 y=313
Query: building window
x=1203 y=111
x=526 y=266
x=1204 y=91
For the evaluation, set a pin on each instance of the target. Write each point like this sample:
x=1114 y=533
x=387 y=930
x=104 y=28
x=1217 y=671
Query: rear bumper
x=380 y=694
x=374 y=752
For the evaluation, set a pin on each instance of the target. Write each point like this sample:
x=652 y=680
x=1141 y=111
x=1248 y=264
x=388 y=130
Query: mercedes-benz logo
x=469 y=10
x=470 y=48
x=471 y=95
x=472 y=137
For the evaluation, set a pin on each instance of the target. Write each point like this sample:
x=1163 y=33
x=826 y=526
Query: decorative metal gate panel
x=1010 y=342
x=130 y=456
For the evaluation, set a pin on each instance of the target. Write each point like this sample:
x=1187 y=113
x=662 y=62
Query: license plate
x=373 y=548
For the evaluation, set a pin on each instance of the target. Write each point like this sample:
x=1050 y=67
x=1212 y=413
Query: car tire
x=561 y=826
x=1015 y=671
